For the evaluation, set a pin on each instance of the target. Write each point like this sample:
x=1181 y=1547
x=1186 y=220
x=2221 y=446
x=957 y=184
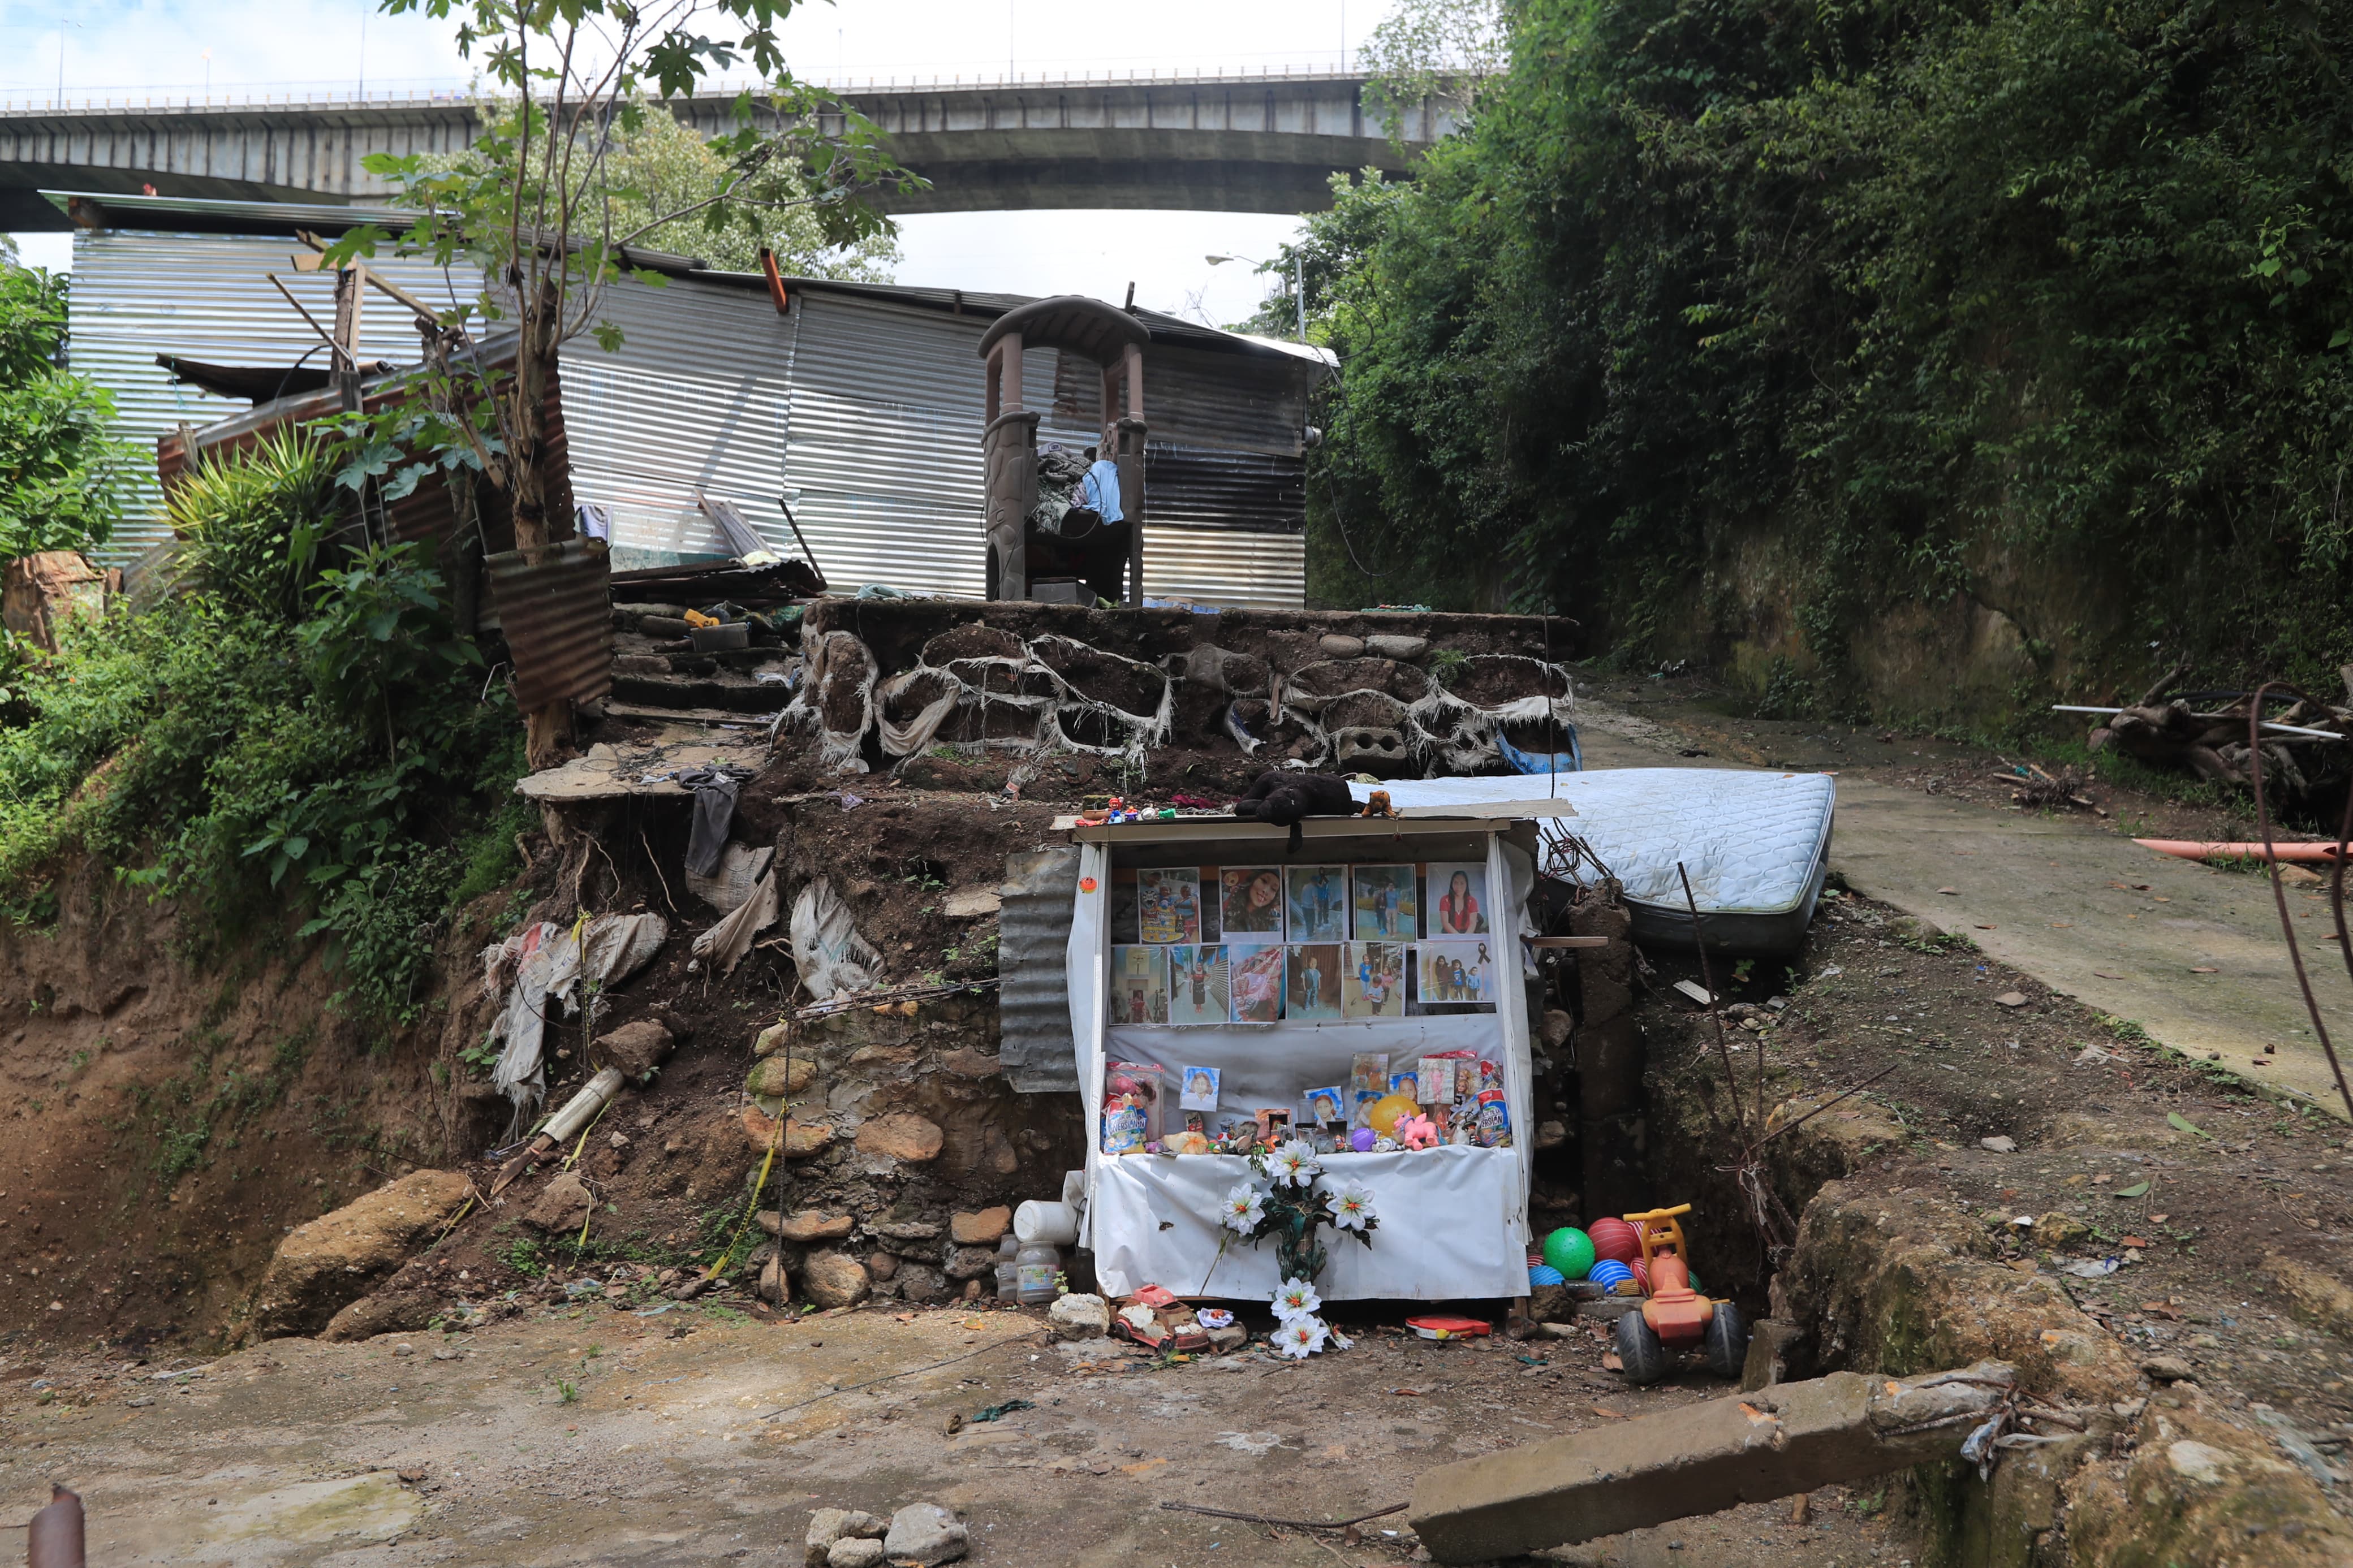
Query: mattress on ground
x=1757 y=845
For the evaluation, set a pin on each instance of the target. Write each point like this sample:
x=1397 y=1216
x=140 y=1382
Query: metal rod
x=2268 y=723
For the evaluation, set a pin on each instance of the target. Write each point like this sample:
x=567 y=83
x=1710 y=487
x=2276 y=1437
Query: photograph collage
x=1199 y=945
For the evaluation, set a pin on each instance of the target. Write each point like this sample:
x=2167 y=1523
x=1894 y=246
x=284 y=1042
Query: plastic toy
x=1609 y=1273
x=1569 y=1250
x=1545 y=1274
x=1417 y=1133
x=1614 y=1238
x=1442 y=1327
x=1387 y=1110
x=1363 y=1138
x=1675 y=1317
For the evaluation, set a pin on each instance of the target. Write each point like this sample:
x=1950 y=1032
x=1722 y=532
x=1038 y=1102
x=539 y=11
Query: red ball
x=1641 y=1274
x=1615 y=1239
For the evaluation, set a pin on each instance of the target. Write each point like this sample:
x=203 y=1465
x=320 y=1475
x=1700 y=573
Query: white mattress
x=1756 y=844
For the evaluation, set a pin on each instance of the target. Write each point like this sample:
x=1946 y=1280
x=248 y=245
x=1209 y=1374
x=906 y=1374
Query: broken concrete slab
x=1777 y=1442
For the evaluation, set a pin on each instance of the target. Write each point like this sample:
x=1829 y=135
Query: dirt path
x=2190 y=953
x=302 y=1453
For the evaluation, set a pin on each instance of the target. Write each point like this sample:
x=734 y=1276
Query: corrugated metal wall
x=697 y=398
x=887 y=404
x=209 y=297
x=865 y=413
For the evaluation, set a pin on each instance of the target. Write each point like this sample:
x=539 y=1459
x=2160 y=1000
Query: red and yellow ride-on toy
x=1675 y=1317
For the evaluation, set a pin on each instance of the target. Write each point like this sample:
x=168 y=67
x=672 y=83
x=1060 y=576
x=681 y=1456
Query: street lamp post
x=1298 y=283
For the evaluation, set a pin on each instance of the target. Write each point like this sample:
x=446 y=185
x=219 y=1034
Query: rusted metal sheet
x=554 y=604
x=1033 y=1002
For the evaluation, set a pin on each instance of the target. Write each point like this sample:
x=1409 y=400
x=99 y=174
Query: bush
x=273 y=739
x=61 y=474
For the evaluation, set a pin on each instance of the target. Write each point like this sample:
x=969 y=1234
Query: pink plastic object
x=1614 y=1238
x=1418 y=1132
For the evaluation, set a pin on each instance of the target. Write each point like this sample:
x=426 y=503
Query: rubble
x=924 y=1533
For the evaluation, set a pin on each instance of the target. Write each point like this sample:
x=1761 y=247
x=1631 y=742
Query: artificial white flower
x=1300 y=1338
x=1351 y=1206
x=1340 y=1341
x=1245 y=1208
x=1297 y=1299
x=1296 y=1165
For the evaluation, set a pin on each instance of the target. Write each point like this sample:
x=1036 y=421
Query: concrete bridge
x=1220 y=144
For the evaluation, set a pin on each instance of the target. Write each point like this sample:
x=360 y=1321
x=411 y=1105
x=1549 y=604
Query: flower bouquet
x=1288 y=1202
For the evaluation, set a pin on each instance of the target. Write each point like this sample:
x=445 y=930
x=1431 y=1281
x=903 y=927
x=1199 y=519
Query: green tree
x=2040 y=302
x=543 y=212
x=61 y=474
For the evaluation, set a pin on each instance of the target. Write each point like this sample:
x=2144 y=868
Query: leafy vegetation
x=61 y=474
x=296 y=730
x=2037 y=305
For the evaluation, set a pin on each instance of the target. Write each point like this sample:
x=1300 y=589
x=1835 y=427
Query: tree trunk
x=547 y=731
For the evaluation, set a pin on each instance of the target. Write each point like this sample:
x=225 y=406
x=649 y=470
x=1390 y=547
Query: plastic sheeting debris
x=831 y=956
x=546 y=962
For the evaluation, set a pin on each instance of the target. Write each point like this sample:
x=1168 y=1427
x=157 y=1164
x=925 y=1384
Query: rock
x=1079 y=1317
x=2169 y=1369
x=1390 y=645
x=1903 y=1283
x=2001 y=1143
x=2011 y=999
x=2321 y=1299
x=852 y=1552
x=2056 y=1229
x=802 y=1139
x=393 y=1312
x=985 y=1229
x=1550 y=1135
x=773 y=1286
x=966 y=1062
x=1232 y=1337
x=833 y=1280
x=562 y=1205
x=881 y=1265
x=321 y=1266
x=2195 y=1488
x=925 y=1533
x=773 y=1078
x=905 y=1229
x=971 y=1262
x=808 y=1225
x=636 y=1048
x=1558 y=1027
x=966 y=903
x=972 y=1289
x=902 y=1136
x=1338 y=646
x=921 y=1284
x=827 y=1526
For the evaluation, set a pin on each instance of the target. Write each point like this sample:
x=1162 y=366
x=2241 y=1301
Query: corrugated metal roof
x=1033 y=1004
x=555 y=604
x=136 y=294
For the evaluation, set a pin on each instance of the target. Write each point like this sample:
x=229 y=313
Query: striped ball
x=1544 y=1274
x=1610 y=1274
x=1614 y=1240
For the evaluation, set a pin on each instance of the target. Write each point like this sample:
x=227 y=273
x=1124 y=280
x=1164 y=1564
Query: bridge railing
x=300 y=98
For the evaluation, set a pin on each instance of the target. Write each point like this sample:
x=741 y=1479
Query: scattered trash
x=543 y=962
x=1697 y=992
x=829 y=955
x=999 y=1412
x=2092 y=1268
x=2001 y=1143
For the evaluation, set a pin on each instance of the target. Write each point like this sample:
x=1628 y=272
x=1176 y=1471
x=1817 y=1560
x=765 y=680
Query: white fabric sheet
x=1450 y=1228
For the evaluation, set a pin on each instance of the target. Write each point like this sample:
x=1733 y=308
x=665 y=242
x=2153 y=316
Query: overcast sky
x=247 y=48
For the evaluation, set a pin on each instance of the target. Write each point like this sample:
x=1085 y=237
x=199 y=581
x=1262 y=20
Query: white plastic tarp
x=1450 y=1228
x=1437 y=1246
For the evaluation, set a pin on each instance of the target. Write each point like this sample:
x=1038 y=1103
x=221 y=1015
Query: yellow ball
x=1388 y=1110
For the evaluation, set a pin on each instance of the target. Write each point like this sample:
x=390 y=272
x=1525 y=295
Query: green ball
x=1570 y=1250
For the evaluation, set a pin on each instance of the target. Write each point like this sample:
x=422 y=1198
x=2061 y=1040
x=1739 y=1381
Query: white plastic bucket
x=1056 y=1225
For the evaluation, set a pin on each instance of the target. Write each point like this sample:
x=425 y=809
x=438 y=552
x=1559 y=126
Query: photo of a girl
x=1457 y=902
x=1251 y=900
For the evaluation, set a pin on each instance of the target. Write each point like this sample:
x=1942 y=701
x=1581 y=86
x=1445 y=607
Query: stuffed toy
x=1283 y=798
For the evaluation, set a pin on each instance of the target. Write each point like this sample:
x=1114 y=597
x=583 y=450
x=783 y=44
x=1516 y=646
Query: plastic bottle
x=1008 y=1272
x=1036 y=1265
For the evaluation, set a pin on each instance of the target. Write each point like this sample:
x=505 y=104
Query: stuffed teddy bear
x=1283 y=798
